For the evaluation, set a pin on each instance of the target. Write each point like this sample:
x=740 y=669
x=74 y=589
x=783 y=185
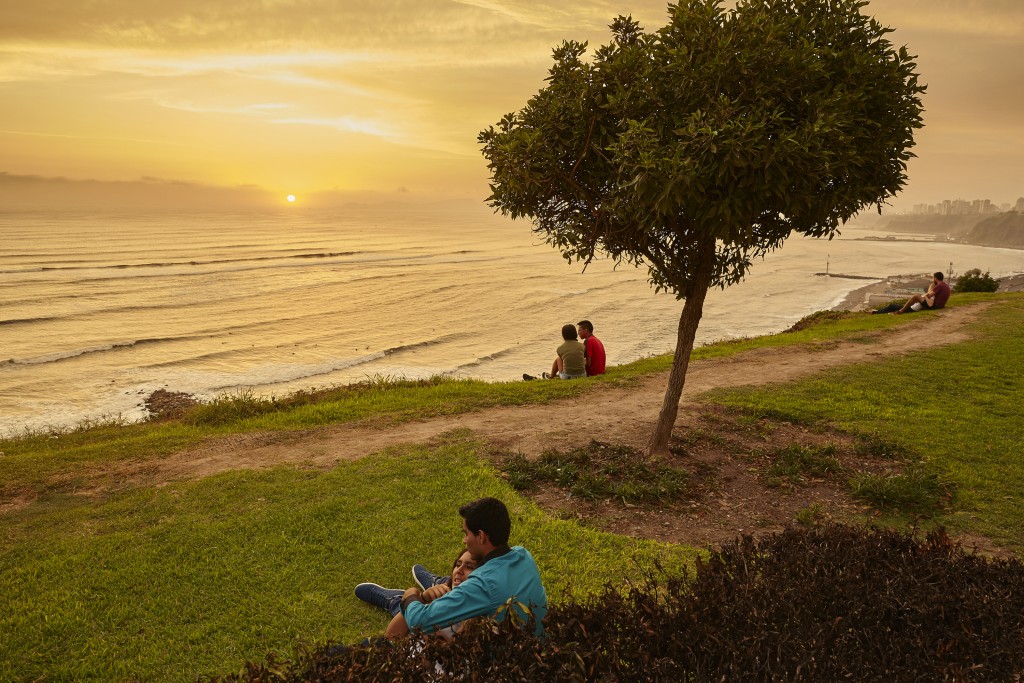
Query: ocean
x=98 y=310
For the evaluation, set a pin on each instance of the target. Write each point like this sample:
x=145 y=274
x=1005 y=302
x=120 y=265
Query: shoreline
x=858 y=299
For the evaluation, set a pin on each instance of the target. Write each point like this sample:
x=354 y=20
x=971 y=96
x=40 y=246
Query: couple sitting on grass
x=486 y=577
x=575 y=359
x=935 y=298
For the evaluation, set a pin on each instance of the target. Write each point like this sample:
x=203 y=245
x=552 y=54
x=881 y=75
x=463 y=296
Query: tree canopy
x=697 y=148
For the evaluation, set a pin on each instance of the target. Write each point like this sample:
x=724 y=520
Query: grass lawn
x=199 y=577
x=959 y=408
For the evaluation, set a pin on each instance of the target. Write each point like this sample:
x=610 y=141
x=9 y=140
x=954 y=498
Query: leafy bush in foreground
x=829 y=603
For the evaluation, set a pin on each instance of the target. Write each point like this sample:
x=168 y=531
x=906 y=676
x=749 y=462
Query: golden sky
x=387 y=96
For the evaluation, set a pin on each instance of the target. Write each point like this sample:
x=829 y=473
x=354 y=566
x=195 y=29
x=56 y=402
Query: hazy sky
x=307 y=96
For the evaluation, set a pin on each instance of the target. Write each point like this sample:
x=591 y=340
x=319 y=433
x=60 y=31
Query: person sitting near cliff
x=935 y=298
x=570 y=358
x=593 y=349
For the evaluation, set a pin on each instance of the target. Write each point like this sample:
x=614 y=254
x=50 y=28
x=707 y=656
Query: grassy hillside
x=958 y=408
x=169 y=582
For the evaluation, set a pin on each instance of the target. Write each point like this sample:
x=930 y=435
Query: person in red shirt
x=593 y=349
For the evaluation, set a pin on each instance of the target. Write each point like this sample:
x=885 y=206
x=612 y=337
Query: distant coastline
x=1003 y=230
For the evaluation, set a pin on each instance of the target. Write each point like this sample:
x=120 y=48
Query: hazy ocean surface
x=99 y=310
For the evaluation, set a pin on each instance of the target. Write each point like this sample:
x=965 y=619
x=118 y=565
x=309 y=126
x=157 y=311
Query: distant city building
x=962 y=207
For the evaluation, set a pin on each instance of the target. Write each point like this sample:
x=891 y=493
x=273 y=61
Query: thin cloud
x=65 y=136
x=375 y=93
x=345 y=124
x=186 y=23
x=258 y=109
x=27 y=62
x=578 y=16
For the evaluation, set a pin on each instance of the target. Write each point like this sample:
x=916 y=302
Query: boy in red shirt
x=593 y=349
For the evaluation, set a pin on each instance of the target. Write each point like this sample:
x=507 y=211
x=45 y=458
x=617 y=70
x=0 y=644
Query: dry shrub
x=829 y=603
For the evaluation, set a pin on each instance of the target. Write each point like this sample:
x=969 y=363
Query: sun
x=290 y=198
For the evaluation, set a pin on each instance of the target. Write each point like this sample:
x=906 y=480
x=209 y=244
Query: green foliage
x=811 y=515
x=974 y=281
x=919 y=489
x=733 y=128
x=228 y=408
x=601 y=470
x=795 y=462
x=875 y=446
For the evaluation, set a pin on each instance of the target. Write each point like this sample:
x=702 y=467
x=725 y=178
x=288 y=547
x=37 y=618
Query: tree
x=974 y=281
x=697 y=148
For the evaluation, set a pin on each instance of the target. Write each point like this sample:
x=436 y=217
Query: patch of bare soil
x=733 y=487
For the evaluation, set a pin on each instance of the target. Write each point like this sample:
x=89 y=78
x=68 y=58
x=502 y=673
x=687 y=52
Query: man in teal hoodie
x=506 y=579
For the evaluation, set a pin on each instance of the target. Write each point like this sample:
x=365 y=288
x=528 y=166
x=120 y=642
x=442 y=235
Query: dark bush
x=974 y=281
x=824 y=604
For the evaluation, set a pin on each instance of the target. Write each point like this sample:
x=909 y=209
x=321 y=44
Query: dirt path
x=622 y=415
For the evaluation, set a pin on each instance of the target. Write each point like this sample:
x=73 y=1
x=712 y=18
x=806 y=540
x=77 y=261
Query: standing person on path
x=593 y=349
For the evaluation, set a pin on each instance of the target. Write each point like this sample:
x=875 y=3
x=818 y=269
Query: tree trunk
x=688 y=322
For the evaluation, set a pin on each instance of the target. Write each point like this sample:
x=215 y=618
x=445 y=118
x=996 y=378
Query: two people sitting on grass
x=936 y=297
x=432 y=585
x=490 y=579
x=575 y=359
